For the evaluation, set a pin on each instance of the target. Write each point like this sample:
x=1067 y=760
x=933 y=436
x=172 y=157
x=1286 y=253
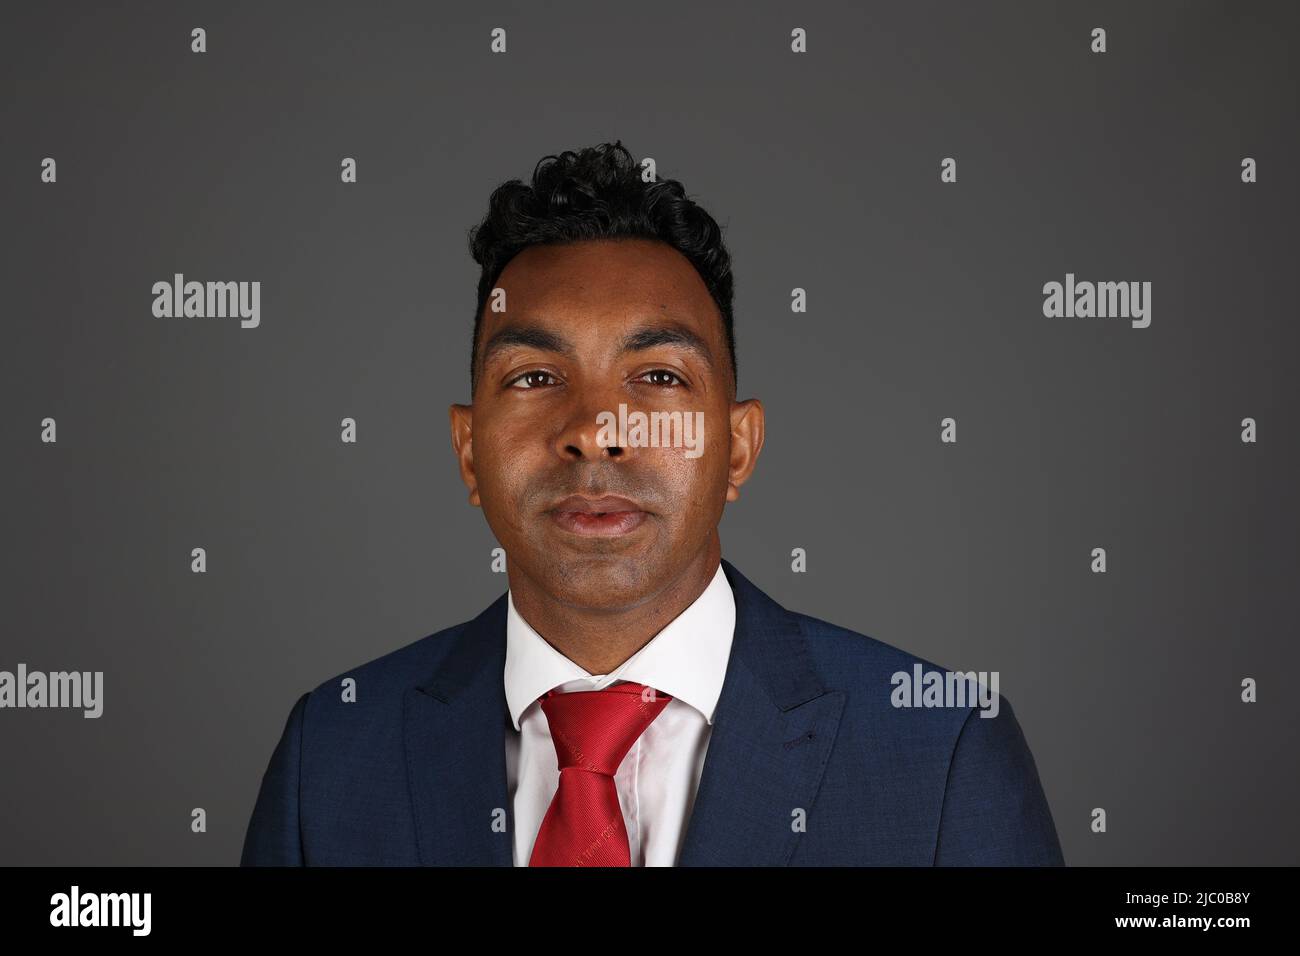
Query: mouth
x=609 y=516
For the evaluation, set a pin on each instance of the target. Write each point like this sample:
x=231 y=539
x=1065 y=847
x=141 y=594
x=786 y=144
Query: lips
x=604 y=505
x=608 y=516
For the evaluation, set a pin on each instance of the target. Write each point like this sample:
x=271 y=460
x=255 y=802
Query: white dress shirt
x=657 y=780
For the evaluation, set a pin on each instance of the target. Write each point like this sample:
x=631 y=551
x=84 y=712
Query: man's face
x=565 y=350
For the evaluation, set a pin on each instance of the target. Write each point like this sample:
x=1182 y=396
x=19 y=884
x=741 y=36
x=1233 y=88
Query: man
x=632 y=699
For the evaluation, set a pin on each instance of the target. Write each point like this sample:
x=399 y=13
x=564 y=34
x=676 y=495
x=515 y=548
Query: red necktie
x=593 y=730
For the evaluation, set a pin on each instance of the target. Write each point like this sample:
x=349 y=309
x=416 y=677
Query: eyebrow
x=638 y=340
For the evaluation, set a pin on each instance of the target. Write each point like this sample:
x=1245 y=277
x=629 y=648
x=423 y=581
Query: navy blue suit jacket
x=809 y=763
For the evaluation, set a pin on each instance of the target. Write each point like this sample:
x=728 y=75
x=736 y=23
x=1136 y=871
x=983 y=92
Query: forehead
x=601 y=285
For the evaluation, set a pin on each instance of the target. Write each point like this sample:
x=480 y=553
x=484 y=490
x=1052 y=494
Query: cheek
x=697 y=484
x=504 y=453
x=509 y=470
x=502 y=471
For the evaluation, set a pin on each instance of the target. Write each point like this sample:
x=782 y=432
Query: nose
x=590 y=429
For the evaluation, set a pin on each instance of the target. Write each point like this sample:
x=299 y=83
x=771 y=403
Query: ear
x=462 y=427
x=746 y=443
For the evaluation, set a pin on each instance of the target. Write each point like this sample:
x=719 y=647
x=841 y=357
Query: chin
x=612 y=580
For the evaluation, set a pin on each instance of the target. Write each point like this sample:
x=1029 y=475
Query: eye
x=525 y=376
x=664 y=371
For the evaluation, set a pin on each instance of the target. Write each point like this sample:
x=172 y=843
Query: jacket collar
x=773 y=729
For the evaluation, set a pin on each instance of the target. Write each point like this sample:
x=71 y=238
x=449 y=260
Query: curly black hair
x=597 y=193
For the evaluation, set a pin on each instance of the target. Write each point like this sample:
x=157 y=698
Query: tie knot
x=594 y=729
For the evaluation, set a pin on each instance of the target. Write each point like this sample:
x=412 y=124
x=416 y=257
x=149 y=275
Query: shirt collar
x=687 y=659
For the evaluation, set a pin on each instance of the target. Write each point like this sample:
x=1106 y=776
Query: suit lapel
x=454 y=728
x=772 y=734
x=773 y=731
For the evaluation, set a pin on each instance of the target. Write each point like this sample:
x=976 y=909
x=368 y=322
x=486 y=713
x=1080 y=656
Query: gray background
x=925 y=301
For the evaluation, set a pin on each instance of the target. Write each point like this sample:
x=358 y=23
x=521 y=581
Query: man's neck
x=600 y=640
